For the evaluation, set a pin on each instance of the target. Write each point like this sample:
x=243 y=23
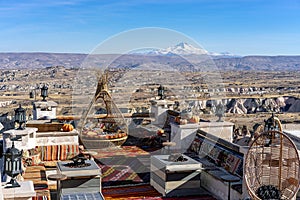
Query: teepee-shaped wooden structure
x=106 y=128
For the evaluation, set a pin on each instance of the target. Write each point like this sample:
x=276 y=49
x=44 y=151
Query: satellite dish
x=272 y=167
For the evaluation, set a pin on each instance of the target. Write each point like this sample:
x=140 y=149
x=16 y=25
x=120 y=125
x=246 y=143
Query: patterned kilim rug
x=122 y=166
x=118 y=175
x=144 y=192
x=130 y=192
x=128 y=151
x=126 y=175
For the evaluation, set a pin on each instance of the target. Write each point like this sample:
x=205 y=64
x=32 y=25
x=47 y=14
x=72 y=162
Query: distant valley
x=69 y=60
x=253 y=85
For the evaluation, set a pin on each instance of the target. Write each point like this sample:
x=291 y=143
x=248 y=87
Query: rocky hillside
x=39 y=60
x=260 y=63
x=257 y=63
x=251 y=105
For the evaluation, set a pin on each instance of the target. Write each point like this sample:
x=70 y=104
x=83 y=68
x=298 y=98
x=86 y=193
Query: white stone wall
x=183 y=135
x=160 y=115
x=56 y=138
x=222 y=130
x=39 y=114
x=27 y=140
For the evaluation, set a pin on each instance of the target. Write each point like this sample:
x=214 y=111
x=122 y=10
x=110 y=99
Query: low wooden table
x=57 y=178
x=230 y=179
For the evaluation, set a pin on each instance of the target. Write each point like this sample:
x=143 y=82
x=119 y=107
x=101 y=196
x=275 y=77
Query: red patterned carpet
x=117 y=175
x=126 y=175
x=121 y=166
x=128 y=151
x=144 y=192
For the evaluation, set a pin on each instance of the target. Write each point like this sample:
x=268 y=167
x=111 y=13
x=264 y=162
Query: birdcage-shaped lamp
x=272 y=167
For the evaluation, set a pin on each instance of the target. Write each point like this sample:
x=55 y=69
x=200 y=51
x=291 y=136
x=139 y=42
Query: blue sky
x=243 y=27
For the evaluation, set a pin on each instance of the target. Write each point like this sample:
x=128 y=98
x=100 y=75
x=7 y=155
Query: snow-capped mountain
x=182 y=48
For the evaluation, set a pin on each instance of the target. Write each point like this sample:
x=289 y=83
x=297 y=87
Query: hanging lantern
x=161 y=92
x=20 y=117
x=13 y=165
x=44 y=92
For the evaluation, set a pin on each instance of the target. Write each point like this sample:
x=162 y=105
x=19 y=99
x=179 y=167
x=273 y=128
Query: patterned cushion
x=58 y=152
x=231 y=163
x=195 y=146
x=227 y=159
x=215 y=153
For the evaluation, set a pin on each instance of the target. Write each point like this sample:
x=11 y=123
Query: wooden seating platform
x=37 y=174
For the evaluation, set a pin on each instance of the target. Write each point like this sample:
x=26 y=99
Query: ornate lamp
x=44 y=92
x=272 y=124
x=220 y=111
x=20 y=117
x=161 y=92
x=31 y=95
x=13 y=164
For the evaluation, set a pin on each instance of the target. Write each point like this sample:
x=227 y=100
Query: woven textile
x=121 y=170
x=144 y=192
x=128 y=151
x=227 y=159
x=121 y=166
x=58 y=152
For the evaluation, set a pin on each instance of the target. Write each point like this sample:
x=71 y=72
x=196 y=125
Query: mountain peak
x=182 y=44
x=182 y=48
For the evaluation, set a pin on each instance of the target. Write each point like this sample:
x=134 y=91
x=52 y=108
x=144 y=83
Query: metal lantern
x=161 y=92
x=13 y=165
x=44 y=92
x=31 y=94
x=220 y=111
x=20 y=117
x=271 y=124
